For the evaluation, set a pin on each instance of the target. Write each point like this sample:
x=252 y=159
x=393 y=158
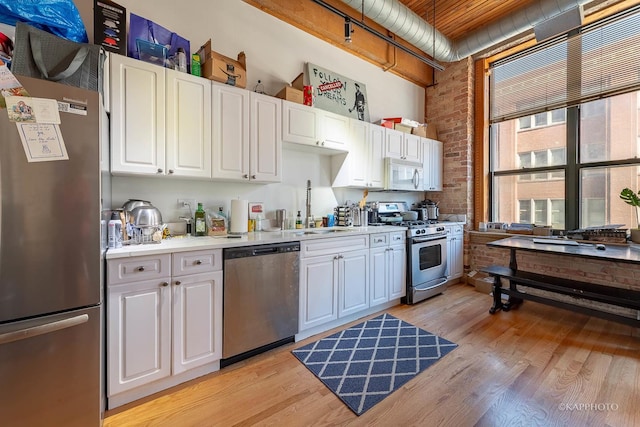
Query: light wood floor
x=534 y=366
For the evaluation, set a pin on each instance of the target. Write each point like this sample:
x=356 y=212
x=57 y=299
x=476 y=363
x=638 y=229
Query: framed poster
x=337 y=93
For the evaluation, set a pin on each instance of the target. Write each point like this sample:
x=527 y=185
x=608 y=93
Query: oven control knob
x=423 y=231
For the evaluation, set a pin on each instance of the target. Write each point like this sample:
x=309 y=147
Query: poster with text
x=337 y=93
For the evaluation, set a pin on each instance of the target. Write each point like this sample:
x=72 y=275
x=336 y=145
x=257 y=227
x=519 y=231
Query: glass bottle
x=200 y=221
x=299 y=220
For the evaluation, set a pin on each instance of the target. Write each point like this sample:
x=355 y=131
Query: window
x=541 y=212
x=542 y=119
x=575 y=94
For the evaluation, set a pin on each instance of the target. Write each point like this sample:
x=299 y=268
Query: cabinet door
x=300 y=124
x=138 y=334
x=436 y=165
x=358 y=153
x=335 y=131
x=432 y=154
x=455 y=251
x=318 y=290
x=412 y=148
x=397 y=271
x=394 y=143
x=353 y=282
x=137 y=116
x=379 y=277
x=230 y=132
x=197 y=320
x=376 y=157
x=188 y=125
x=265 y=159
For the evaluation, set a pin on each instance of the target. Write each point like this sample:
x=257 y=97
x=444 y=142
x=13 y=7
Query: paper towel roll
x=239 y=216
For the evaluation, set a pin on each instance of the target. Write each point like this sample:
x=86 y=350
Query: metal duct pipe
x=402 y=21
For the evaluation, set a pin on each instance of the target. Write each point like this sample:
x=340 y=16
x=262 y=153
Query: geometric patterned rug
x=365 y=363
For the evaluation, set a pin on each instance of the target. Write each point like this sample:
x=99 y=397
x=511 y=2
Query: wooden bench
x=582 y=290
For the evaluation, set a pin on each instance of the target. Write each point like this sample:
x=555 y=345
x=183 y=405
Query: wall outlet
x=186 y=203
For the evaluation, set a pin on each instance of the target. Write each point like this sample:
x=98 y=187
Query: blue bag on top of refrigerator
x=59 y=17
x=149 y=33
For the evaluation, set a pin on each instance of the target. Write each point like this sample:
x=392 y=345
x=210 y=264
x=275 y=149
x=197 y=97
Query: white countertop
x=183 y=244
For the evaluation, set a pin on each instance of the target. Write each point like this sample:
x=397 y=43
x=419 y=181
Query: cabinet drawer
x=128 y=270
x=379 y=239
x=456 y=229
x=333 y=245
x=197 y=262
x=397 y=237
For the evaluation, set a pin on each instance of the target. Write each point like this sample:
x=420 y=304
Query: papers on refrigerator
x=42 y=142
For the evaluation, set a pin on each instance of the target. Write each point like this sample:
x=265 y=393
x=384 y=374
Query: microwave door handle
x=416 y=179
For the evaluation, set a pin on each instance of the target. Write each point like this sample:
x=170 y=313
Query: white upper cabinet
x=363 y=167
x=188 y=125
x=230 y=132
x=432 y=164
x=247 y=135
x=312 y=127
x=265 y=148
x=137 y=94
x=403 y=146
x=160 y=120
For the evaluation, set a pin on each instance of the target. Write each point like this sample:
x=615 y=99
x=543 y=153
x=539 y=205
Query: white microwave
x=402 y=175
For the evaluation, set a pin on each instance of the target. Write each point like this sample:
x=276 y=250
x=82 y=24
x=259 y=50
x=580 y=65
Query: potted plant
x=631 y=198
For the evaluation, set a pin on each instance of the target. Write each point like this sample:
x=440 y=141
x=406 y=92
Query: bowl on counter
x=146 y=216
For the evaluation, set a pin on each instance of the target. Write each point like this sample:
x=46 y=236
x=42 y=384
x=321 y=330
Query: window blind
x=603 y=60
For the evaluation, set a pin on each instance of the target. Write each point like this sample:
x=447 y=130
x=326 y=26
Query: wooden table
x=583 y=290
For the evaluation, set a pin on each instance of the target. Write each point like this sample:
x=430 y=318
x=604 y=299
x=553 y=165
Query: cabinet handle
x=253 y=177
x=198 y=262
x=245 y=176
x=170 y=171
x=159 y=170
x=323 y=143
x=178 y=282
x=164 y=284
x=141 y=268
x=317 y=142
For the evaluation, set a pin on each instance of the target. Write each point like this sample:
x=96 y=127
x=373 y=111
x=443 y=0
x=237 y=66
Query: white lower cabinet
x=455 y=251
x=334 y=281
x=162 y=326
x=139 y=334
x=388 y=267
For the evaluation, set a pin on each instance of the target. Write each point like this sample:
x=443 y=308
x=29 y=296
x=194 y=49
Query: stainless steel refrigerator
x=51 y=274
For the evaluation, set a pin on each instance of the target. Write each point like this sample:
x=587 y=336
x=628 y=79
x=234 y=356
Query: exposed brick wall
x=449 y=106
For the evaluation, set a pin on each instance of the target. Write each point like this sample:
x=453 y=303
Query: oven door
x=427 y=267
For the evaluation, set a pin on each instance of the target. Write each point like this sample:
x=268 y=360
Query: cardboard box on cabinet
x=402 y=128
x=298 y=82
x=292 y=94
x=426 y=131
x=223 y=69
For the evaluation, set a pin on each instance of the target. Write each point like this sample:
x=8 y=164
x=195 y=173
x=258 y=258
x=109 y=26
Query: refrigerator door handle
x=47 y=328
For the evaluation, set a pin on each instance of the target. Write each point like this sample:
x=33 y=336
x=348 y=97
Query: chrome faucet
x=308 y=207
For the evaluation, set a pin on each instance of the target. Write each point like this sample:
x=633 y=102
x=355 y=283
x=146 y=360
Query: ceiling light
x=348 y=29
x=348 y=21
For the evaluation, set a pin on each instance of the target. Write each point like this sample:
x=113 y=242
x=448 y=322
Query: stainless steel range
x=426 y=251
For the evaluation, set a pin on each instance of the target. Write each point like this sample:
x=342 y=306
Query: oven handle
x=418 y=288
x=427 y=239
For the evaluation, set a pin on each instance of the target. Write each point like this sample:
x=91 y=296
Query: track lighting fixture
x=348 y=29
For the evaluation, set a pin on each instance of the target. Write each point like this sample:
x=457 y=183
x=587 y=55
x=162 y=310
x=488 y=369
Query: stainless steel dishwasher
x=261 y=289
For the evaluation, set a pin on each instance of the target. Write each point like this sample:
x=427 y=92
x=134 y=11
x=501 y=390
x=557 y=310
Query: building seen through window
x=565 y=129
